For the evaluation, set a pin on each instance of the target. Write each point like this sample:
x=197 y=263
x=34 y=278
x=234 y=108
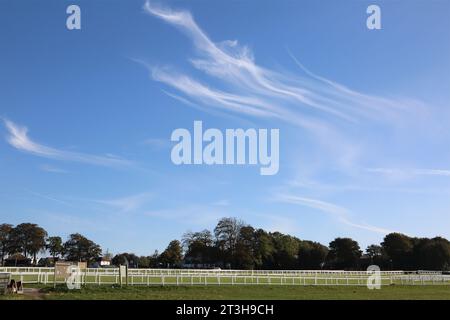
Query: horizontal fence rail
x=204 y=277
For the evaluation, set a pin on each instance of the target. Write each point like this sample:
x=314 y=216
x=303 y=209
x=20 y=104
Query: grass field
x=394 y=292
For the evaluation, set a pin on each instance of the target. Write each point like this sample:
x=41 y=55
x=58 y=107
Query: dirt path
x=33 y=293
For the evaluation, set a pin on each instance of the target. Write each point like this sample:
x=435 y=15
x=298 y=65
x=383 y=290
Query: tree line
x=235 y=244
x=25 y=241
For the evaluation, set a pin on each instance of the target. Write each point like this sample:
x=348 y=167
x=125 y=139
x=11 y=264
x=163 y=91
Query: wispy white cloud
x=340 y=122
x=340 y=213
x=48 y=197
x=222 y=203
x=213 y=97
x=194 y=214
x=251 y=89
x=158 y=143
x=18 y=138
x=312 y=203
x=275 y=222
x=361 y=186
x=53 y=169
x=432 y=172
x=128 y=203
x=408 y=173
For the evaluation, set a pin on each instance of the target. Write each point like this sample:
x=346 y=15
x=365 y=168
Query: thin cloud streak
x=18 y=138
x=364 y=187
x=52 y=169
x=128 y=203
x=339 y=212
x=216 y=98
x=199 y=215
x=47 y=197
x=407 y=173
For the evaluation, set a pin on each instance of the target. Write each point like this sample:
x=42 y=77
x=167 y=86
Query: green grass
x=394 y=292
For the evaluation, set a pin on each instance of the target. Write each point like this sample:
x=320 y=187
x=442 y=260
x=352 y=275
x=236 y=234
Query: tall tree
x=375 y=254
x=173 y=255
x=5 y=241
x=144 y=262
x=344 y=253
x=374 y=251
x=199 y=247
x=29 y=239
x=399 y=249
x=55 y=246
x=433 y=254
x=153 y=260
x=204 y=237
x=79 y=248
x=264 y=250
x=226 y=233
x=129 y=259
x=285 y=255
x=244 y=256
x=312 y=255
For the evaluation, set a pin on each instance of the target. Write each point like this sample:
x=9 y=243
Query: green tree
x=55 y=246
x=144 y=262
x=204 y=237
x=129 y=259
x=153 y=260
x=264 y=250
x=433 y=254
x=5 y=241
x=312 y=255
x=226 y=233
x=399 y=249
x=199 y=247
x=344 y=253
x=80 y=248
x=374 y=251
x=376 y=255
x=244 y=256
x=285 y=255
x=173 y=255
x=29 y=239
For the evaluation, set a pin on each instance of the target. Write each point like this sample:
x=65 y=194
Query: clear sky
x=87 y=117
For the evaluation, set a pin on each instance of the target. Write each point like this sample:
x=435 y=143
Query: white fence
x=203 y=277
x=4 y=281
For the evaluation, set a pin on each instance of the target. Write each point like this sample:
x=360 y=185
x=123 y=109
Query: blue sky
x=87 y=117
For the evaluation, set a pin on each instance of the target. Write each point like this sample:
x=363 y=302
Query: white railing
x=4 y=281
x=230 y=277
